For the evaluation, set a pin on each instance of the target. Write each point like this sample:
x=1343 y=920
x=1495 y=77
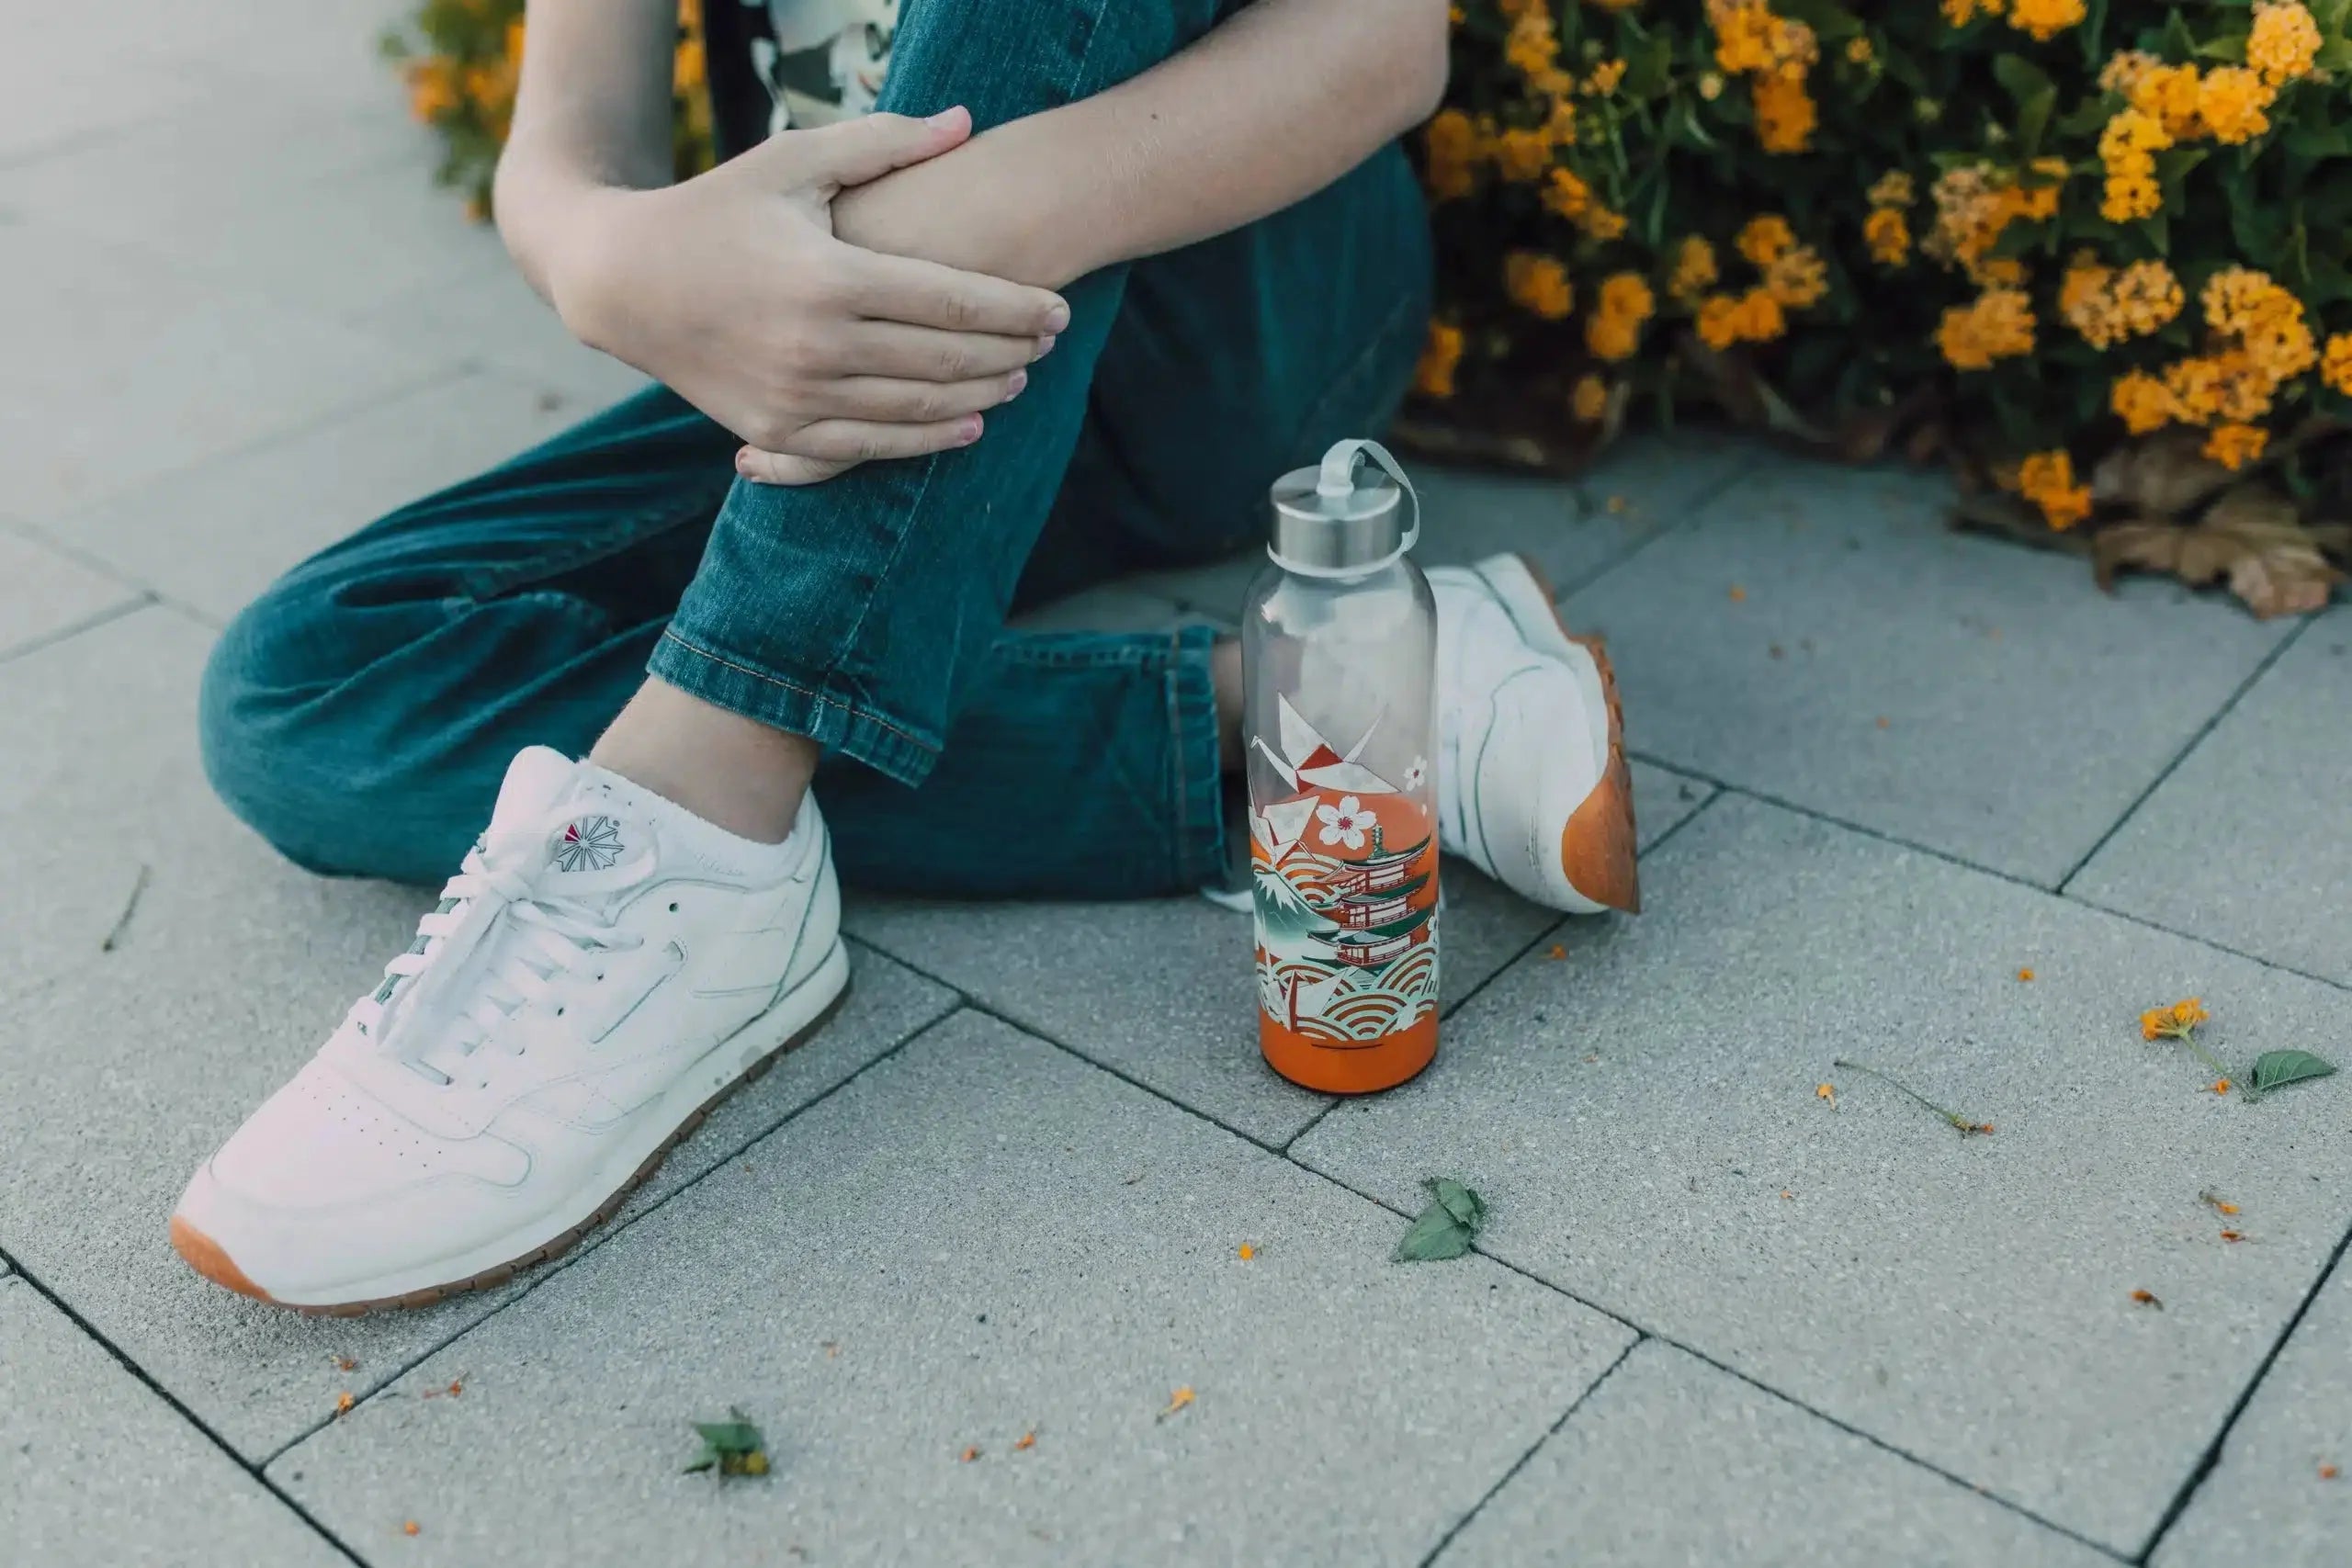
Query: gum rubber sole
x=1598 y=848
x=206 y=1257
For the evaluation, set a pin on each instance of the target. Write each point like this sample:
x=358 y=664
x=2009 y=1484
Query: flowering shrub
x=461 y=60
x=2016 y=232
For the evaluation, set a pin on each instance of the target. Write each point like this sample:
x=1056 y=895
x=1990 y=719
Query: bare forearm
x=1280 y=101
x=593 y=114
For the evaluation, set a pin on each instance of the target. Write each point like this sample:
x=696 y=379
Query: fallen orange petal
x=2327 y=1472
x=1177 y=1400
x=1024 y=1443
x=409 y=1528
x=1248 y=1252
x=971 y=1454
x=2025 y=974
x=344 y=1402
x=346 y=1364
x=1558 y=951
x=2233 y=1235
x=2146 y=1298
x=1884 y=721
x=1738 y=595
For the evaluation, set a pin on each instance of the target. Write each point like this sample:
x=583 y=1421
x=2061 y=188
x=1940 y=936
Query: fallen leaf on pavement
x=1447 y=1227
x=2276 y=1069
x=2253 y=537
x=732 y=1448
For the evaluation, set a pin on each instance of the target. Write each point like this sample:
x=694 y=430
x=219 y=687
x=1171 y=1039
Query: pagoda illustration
x=1374 y=908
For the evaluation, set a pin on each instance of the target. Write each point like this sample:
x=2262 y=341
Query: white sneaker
x=604 y=967
x=1531 y=780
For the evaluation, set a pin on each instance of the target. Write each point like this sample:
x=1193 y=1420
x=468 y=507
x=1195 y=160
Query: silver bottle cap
x=1338 y=519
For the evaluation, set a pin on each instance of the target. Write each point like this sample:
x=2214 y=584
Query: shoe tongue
x=536 y=779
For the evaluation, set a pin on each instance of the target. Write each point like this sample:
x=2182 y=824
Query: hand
x=732 y=290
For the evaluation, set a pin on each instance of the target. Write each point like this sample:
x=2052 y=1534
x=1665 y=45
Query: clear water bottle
x=1338 y=651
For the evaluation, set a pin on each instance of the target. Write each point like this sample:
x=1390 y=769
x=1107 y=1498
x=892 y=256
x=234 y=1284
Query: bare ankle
x=732 y=772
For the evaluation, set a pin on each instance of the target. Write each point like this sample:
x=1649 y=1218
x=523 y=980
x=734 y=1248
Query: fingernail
x=945 y=117
x=970 y=432
x=1044 y=346
x=1013 y=383
x=1057 y=318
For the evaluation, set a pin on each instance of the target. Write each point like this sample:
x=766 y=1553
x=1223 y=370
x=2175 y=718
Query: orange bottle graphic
x=1339 y=645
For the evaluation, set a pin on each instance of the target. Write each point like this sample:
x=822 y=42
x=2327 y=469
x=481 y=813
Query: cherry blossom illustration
x=1345 y=823
x=1417 y=772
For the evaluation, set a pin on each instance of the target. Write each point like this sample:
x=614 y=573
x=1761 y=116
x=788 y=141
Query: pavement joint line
x=1520 y=1462
x=2212 y=721
x=2211 y=1457
x=1847 y=1427
x=33 y=1282
x=608 y=1232
x=73 y=629
x=1949 y=858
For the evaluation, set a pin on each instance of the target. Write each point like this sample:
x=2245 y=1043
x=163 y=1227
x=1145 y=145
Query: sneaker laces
x=532 y=937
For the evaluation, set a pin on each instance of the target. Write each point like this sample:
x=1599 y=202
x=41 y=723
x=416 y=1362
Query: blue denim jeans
x=360 y=712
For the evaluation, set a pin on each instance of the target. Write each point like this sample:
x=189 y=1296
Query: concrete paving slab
x=122 y=369
x=101 y=1471
x=1819 y=635
x=264 y=508
x=1672 y=1460
x=2280 y=1497
x=129 y=1067
x=44 y=591
x=1641 y=1118
x=57 y=91
x=490 y=317
x=982 y=1238
x=1184 y=1022
x=2244 y=844
x=1663 y=798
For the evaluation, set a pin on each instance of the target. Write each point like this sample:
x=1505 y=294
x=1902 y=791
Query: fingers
x=852 y=152
x=925 y=294
x=885 y=400
x=843 y=442
x=782 y=468
x=926 y=354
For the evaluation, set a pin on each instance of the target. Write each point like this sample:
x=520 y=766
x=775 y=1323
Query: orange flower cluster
x=2259 y=342
x=2107 y=305
x=1433 y=377
x=1775 y=53
x=1539 y=284
x=1999 y=324
x=1976 y=203
x=2176 y=1021
x=1614 y=331
x=1793 y=276
x=1694 y=270
x=2284 y=44
x=2047 y=479
x=2040 y=19
x=2127 y=149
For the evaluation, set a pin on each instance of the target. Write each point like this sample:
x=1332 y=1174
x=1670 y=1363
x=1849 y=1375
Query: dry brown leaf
x=2165 y=475
x=2251 y=538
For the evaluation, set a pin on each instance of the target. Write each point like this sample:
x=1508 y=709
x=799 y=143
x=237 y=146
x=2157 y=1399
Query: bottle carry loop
x=1335 y=478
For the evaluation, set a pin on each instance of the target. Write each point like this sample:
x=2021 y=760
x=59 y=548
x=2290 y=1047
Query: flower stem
x=1961 y=1124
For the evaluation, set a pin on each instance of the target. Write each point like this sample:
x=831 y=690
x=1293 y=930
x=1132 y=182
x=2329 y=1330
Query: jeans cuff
x=1195 y=761
x=835 y=722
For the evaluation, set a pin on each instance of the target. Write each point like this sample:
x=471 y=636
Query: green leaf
x=1433 y=1237
x=2273 y=1069
x=734 y=1448
x=1460 y=1201
x=1447 y=1227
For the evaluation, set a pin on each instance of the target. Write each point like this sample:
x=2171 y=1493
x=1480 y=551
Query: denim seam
x=824 y=699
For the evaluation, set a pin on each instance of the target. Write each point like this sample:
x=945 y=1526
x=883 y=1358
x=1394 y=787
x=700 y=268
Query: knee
x=272 y=730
